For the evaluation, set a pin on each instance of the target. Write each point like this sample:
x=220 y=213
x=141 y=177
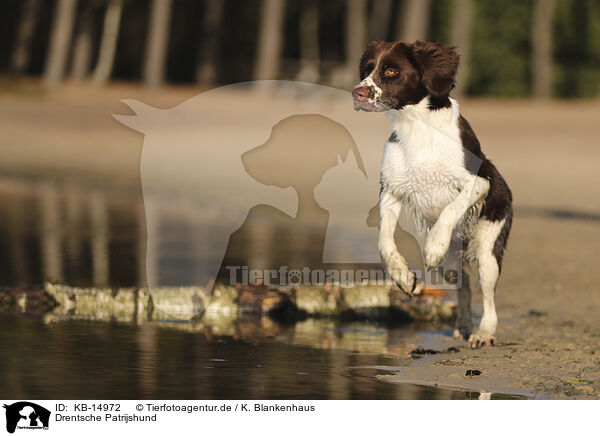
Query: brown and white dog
x=435 y=173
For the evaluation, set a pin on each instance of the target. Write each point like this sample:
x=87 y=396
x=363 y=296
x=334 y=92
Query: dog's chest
x=425 y=172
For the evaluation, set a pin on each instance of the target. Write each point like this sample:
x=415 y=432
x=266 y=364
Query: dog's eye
x=390 y=72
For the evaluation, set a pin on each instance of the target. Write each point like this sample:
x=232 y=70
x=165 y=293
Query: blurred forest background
x=509 y=48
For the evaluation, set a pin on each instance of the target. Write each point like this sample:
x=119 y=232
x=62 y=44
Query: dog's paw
x=479 y=339
x=406 y=280
x=436 y=246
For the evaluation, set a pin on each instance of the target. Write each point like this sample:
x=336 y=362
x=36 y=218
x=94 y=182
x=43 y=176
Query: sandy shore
x=549 y=334
x=549 y=294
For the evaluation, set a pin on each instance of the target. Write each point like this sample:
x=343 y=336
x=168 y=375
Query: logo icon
x=26 y=415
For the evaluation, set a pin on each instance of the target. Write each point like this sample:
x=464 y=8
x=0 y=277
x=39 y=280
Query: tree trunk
x=82 y=50
x=156 y=49
x=461 y=39
x=380 y=20
x=269 y=44
x=62 y=28
x=22 y=51
x=356 y=31
x=542 y=48
x=108 y=44
x=414 y=20
x=207 y=57
x=309 y=42
x=356 y=34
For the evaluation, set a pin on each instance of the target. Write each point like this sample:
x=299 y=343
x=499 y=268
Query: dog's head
x=396 y=74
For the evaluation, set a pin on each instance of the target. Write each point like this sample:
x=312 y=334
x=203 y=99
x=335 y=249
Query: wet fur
x=435 y=171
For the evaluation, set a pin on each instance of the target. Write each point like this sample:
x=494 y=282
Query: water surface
x=82 y=360
x=88 y=236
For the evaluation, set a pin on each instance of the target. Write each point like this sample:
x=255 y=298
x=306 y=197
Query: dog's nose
x=361 y=93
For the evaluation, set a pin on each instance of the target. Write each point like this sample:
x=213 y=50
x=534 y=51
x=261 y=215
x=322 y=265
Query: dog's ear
x=375 y=44
x=437 y=64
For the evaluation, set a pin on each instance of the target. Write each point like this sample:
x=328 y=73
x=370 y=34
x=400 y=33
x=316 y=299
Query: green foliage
x=577 y=48
x=500 y=58
x=501 y=48
x=440 y=25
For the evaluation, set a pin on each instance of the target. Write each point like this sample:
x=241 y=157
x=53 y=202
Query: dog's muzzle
x=364 y=99
x=362 y=93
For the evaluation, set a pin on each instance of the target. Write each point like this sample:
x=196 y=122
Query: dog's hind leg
x=484 y=246
x=464 y=326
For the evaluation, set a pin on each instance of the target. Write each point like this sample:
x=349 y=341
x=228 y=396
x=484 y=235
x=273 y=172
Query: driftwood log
x=361 y=302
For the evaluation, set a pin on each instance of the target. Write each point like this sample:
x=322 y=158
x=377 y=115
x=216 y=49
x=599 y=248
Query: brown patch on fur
x=438 y=64
x=423 y=68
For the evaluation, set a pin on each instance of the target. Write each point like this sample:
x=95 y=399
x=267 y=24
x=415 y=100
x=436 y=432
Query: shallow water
x=82 y=360
x=88 y=236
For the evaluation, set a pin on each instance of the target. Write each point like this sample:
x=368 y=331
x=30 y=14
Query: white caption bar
x=248 y=417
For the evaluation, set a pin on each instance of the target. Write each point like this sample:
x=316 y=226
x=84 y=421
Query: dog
x=434 y=172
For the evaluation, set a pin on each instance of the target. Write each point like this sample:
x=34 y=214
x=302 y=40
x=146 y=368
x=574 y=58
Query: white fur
x=396 y=264
x=480 y=253
x=370 y=83
x=425 y=170
x=377 y=91
x=438 y=239
x=423 y=176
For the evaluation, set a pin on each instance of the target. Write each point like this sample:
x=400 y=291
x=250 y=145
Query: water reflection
x=84 y=235
x=67 y=233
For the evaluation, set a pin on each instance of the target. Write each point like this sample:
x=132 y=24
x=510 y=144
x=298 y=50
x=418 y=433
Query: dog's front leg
x=389 y=209
x=440 y=235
